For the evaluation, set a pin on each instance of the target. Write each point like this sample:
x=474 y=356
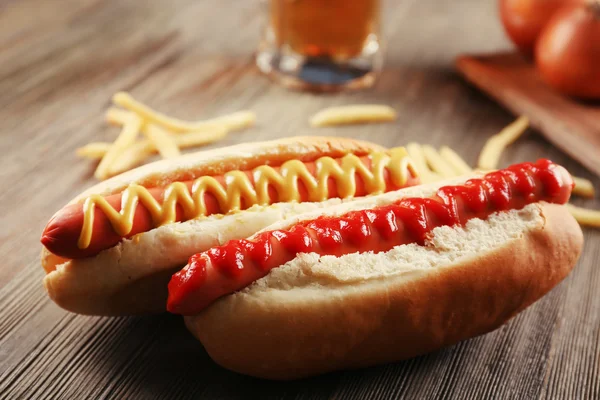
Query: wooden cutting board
x=510 y=79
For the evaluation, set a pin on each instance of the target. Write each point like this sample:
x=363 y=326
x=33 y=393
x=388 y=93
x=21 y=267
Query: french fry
x=97 y=150
x=126 y=138
x=415 y=151
x=158 y=137
x=437 y=163
x=234 y=121
x=93 y=150
x=458 y=164
x=584 y=216
x=144 y=149
x=161 y=141
x=493 y=148
x=132 y=157
x=353 y=114
x=117 y=116
x=583 y=187
x=200 y=138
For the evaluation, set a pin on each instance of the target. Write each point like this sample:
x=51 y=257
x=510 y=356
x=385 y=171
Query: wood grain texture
x=61 y=61
x=572 y=126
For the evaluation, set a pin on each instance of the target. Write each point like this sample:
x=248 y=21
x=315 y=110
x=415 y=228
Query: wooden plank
x=193 y=60
x=571 y=125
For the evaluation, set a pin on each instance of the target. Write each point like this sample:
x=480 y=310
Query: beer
x=324 y=28
x=322 y=44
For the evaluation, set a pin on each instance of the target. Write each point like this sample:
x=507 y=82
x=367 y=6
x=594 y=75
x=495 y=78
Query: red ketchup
x=225 y=269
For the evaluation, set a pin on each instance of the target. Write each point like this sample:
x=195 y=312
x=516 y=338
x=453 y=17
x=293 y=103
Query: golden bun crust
x=131 y=278
x=278 y=331
x=220 y=160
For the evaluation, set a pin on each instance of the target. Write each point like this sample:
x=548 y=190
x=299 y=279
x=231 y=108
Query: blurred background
x=195 y=59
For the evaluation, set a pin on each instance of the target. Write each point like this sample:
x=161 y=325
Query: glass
x=322 y=44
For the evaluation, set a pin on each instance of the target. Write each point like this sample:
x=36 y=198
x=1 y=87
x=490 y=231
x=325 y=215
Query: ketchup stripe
x=406 y=221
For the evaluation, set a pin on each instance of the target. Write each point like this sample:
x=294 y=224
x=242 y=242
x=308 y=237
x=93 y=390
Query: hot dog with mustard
x=112 y=250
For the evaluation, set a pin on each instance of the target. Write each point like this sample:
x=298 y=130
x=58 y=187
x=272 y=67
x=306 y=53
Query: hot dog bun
x=319 y=314
x=131 y=277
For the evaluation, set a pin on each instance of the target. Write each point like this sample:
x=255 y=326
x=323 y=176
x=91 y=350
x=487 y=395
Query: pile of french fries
x=145 y=132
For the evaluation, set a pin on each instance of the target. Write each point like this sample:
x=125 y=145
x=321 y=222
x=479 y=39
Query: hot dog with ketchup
x=383 y=278
x=112 y=250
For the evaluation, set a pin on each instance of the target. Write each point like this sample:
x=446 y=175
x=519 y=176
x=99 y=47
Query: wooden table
x=61 y=61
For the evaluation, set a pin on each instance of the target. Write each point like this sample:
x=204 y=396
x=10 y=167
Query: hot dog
x=62 y=233
x=112 y=249
x=383 y=278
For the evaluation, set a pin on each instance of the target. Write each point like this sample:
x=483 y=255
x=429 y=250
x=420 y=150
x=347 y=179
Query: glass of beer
x=322 y=44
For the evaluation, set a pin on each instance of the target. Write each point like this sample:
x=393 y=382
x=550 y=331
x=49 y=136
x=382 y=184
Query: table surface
x=61 y=61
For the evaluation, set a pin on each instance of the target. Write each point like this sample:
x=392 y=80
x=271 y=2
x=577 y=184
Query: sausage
x=62 y=232
x=226 y=269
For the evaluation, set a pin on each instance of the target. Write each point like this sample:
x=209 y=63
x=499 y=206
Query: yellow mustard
x=239 y=189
